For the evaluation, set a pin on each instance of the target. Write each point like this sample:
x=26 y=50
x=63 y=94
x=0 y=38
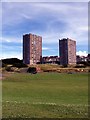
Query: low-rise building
x=51 y=59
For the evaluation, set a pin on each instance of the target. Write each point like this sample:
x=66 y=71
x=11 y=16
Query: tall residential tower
x=32 y=48
x=67 y=51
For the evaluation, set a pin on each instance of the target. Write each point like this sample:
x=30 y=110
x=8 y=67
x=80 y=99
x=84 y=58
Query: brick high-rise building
x=32 y=48
x=67 y=51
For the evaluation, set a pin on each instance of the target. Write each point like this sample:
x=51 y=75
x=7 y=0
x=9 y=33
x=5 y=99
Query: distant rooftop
x=66 y=39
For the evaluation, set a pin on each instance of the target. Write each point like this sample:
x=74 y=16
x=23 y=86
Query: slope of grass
x=45 y=95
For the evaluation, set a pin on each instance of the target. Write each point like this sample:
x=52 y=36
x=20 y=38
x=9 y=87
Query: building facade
x=32 y=48
x=67 y=51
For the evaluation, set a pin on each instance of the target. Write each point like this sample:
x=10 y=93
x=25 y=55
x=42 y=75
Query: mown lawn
x=45 y=95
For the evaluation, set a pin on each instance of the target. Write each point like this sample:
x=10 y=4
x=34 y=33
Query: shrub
x=80 y=66
x=32 y=70
x=8 y=68
x=65 y=66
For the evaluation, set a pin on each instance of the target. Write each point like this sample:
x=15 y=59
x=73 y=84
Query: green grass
x=51 y=95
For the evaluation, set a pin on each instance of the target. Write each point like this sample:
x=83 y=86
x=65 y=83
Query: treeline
x=14 y=62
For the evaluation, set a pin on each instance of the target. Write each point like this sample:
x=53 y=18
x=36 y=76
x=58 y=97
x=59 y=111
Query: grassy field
x=45 y=95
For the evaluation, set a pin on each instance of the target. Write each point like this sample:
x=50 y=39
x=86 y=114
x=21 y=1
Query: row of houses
x=83 y=58
x=56 y=59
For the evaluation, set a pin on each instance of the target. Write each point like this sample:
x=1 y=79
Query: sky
x=52 y=21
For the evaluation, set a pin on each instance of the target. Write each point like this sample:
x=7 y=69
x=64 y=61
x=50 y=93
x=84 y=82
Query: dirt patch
x=6 y=74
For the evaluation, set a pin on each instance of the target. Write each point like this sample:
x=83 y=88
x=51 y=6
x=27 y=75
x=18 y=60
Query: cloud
x=10 y=39
x=82 y=53
x=45 y=48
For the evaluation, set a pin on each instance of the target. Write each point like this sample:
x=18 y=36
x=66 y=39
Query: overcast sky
x=52 y=21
